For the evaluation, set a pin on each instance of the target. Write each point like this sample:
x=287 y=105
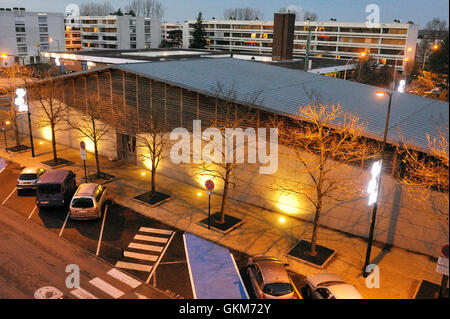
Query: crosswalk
x=115 y=285
x=146 y=250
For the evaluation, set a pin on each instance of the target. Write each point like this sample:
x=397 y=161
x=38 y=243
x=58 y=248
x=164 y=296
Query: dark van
x=55 y=188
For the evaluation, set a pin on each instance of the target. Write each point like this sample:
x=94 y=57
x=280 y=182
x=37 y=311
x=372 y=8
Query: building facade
x=112 y=32
x=25 y=35
x=167 y=27
x=388 y=43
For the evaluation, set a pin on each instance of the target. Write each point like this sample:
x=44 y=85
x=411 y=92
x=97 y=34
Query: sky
x=418 y=11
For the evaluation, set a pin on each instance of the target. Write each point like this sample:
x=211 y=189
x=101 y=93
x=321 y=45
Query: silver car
x=329 y=286
x=87 y=203
x=28 y=178
x=269 y=278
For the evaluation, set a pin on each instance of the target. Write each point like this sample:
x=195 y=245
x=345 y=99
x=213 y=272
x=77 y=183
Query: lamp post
x=434 y=47
x=378 y=187
x=308 y=44
x=361 y=55
x=29 y=121
x=53 y=40
x=405 y=59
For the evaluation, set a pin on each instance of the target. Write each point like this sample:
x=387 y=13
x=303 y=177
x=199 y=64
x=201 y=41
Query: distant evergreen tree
x=118 y=12
x=199 y=39
x=131 y=13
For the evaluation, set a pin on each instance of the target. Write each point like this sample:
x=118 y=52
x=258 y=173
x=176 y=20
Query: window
x=324 y=293
x=28 y=177
x=42 y=19
x=82 y=203
x=21 y=40
x=99 y=194
x=278 y=289
x=20 y=29
x=43 y=39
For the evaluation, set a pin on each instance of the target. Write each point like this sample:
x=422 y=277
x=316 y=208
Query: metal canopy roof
x=283 y=91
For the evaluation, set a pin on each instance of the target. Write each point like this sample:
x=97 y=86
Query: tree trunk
x=55 y=157
x=224 y=196
x=153 y=191
x=313 y=251
x=16 y=132
x=97 y=161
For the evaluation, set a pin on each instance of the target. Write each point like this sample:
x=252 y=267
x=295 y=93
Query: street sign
x=444 y=250
x=83 y=155
x=209 y=192
x=442 y=266
x=209 y=185
x=82 y=145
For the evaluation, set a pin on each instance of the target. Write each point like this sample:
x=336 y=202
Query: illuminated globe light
x=282 y=219
x=401 y=86
x=372 y=188
x=20 y=100
x=288 y=203
x=47 y=133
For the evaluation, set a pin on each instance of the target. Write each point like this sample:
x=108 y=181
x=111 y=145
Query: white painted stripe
x=146 y=247
x=119 y=275
x=64 y=225
x=125 y=265
x=155 y=230
x=239 y=274
x=159 y=259
x=189 y=267
x=32 y=211
x=106 y=287
x=101 y=231
x=80 y=293
x=9 y=196
x=140 y=256
x=151 y=238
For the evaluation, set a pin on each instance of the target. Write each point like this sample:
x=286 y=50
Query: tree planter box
x=229 y=224
x=60 y=163
x=152 y=201
x=301 y=252
x=17 y=149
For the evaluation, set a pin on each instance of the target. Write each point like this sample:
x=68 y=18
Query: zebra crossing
x=146 y=250
x=115 y=285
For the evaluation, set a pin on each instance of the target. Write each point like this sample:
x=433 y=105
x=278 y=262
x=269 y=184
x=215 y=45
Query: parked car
x=28 y=178
x=88 y=201
x=269 y=278
x=55 y=188
x=329 y=286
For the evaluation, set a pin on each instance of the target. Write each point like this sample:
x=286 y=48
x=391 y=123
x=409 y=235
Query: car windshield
x=28 y=177
x=49 y=188
x=278 y=289
x=82 y=203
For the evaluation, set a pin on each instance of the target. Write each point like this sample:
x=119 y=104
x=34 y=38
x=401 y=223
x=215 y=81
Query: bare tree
x=87 y=125
x=309 y=15
x=96 y=9
x=146 y=8
x=16 y=77
x=52 y=108
x=428 y=176
x=324 y=139
x=242 y=14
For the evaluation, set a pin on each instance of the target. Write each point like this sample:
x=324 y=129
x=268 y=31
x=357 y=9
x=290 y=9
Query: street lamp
x=6 y=55
x=53 y=40
x=378 y=166
x=434 y=48
x=405 y=59
x=361 y=55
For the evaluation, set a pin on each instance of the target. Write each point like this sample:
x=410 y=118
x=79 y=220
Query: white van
x=87 y=203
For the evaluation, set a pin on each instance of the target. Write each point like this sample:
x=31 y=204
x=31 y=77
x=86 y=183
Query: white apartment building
x=25 y=35
x=167 y=27
x=388 y=42
x=113 y=32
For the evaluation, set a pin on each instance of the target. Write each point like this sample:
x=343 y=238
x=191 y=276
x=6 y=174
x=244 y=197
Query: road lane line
x=189 y=267
x=32 y=211
x=133 y=266
x=159 y=258
x=155 y=230
x=80 y=293
x=119 y=275
x=140 y=256
x=146 y=247
x=101 y=231
x=106 y=287
x=64 y=225
x=9 y=196
x=151 y=238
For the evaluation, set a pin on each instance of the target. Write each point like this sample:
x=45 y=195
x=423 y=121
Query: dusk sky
x=418 y=11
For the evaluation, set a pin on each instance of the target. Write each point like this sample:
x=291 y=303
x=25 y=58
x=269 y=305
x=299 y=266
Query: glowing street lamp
x=361 y=55
x=434 y=47
x=375 y=184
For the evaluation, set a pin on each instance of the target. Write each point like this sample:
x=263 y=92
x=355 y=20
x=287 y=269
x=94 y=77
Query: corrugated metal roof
x=283 y=91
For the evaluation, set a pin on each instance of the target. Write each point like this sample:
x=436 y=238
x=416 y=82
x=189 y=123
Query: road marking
x=119 y=275
x=189 y=267
x=101 y=231
x=146 y=247
x=155 y=230
x=32 y=211
x=151 y=238
x=239 y=274
x=80 y=293
x=64 y=225
x=140 y=256
x=159 y=259
x=9 y=196
x=106 y=287
x=133 y=266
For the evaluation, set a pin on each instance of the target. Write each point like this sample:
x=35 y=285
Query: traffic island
x=152 y=200
x=17 y=149
x=301 y=252
x=60 y=162
x=228 y=225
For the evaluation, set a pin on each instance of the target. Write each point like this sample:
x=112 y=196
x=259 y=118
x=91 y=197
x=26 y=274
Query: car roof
x=53 y=176
x=345 y=291
x=87 y=189
x=272 y=269
x=28 y=170
x=321 y=278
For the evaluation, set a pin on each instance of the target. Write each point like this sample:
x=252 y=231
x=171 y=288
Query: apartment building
x=389 y=43
x=167 y=27
x=25 y=35
x=112 y=32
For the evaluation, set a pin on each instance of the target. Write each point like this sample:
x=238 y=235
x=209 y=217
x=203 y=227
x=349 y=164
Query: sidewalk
x=400 y=270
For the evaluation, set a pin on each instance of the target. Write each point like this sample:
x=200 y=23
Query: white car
x=88 y=201
x=28 y=178
x=329 y=286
